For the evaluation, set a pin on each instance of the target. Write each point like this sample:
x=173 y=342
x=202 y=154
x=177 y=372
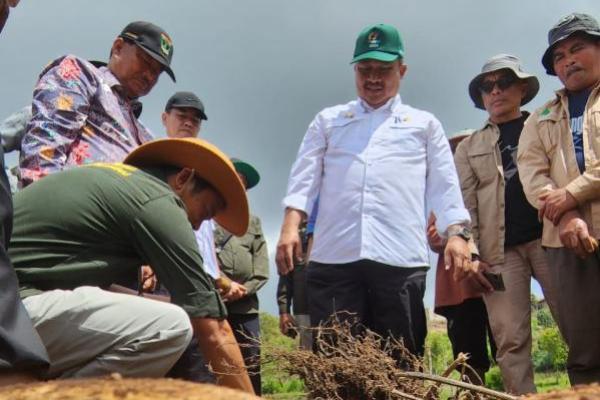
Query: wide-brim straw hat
x=497 y=63
x=210 y=164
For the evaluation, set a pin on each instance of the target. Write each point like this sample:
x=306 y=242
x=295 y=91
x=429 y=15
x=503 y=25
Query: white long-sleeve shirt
x=206 y=245
x=376 y=172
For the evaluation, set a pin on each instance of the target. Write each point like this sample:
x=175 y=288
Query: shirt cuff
x=284 y=309
x=452 y=217
x=204 y=304
x=296 y=201
x=577 y=189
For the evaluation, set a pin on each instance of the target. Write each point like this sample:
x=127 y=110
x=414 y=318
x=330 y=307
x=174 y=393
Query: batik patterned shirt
x=80 y=116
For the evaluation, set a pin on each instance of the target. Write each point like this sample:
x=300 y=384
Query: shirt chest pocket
x=347 y=135
x=401 y=139
x=483 y=164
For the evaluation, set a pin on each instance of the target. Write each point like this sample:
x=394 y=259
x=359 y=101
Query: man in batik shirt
x=82 y=113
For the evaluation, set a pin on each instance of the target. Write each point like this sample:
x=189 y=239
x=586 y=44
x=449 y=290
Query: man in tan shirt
x=559 y=165
x=505 y=226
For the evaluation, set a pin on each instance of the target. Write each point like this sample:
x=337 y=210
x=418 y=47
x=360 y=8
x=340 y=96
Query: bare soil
x=116 y=388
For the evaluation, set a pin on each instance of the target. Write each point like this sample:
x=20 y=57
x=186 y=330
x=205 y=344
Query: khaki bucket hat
x=499 y=62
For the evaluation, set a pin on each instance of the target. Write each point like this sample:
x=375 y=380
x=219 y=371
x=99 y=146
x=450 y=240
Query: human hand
x=554 y=204
x=149 y=280
x=457 y=256
x=289 y=249
x=478 y=279
x=287 y=325
x=436 y=242
x=236 y=292
x=574 y=235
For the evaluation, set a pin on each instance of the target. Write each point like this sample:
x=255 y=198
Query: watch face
x=464 y=233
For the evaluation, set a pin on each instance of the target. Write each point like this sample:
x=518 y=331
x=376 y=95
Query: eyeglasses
x=504 y=82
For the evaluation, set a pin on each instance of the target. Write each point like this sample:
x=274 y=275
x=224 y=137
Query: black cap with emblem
x=153 y=40
x=186 y=100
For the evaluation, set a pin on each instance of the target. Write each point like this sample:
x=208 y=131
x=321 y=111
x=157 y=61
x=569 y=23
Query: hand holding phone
x=495 y=279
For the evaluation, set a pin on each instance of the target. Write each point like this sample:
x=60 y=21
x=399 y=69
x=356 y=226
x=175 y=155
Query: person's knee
x=178 y=322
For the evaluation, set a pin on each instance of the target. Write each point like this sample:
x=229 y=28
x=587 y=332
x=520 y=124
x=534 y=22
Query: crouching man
x=79 y=231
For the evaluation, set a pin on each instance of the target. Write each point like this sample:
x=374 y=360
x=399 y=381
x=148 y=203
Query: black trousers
x=20 y=345
x=192 y=366
x=385 y=299
x=468 y=330
x=246 y=328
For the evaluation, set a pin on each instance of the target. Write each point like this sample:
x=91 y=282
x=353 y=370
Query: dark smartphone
x=495 y=279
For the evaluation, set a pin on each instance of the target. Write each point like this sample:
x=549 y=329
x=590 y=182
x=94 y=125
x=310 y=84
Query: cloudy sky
x=264 y=68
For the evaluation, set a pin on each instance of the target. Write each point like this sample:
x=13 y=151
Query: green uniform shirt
x=94 y=225
x=245 y=261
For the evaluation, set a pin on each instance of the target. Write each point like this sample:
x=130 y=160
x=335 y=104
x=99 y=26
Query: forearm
x=292 y=220
x=221 y=350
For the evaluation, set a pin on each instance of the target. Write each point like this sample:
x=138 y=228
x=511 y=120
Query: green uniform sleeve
x=260 y=261
x=165 y=240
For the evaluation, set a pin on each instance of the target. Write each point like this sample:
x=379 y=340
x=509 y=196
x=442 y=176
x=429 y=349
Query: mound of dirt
x=584 y=392
x=116 y=388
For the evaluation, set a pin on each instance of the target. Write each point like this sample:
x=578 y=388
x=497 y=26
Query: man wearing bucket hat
x=505 y=226
x=84 y=113
x=370 y=253
x=245 y=261
x=121 y=216
x=558 y=158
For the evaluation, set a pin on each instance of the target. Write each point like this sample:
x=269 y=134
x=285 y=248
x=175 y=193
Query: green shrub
x=493 y=379
x=438 y=352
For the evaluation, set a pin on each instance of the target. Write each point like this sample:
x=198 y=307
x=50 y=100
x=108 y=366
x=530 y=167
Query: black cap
x=564 y=28
x=186 y=100
x=153 y=40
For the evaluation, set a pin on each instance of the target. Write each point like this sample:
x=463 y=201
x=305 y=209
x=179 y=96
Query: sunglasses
x=504 y=82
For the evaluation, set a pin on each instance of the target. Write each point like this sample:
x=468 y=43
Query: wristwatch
x=462 y=231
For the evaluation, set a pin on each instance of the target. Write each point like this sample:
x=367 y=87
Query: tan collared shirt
x=546 y=159
x=479 y=166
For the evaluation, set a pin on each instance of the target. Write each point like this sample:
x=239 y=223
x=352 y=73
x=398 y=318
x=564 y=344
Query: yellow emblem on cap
x=373 y=39
x=165 y=44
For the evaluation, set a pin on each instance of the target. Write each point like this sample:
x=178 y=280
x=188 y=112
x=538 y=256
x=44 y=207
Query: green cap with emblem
x=379 y=42
x=153 y=40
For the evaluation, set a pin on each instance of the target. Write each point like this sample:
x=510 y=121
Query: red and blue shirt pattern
x=80 y=116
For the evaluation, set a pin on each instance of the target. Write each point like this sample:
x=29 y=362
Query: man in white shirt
x=376 y=165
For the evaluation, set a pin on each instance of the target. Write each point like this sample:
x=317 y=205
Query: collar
x=490 y=124
x=111 y=80
x=389 y=106
x=563 y=93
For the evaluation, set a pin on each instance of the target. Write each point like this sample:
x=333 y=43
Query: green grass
x=551 y=381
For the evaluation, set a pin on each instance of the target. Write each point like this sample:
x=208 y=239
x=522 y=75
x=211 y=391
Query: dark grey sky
x=264 y=68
